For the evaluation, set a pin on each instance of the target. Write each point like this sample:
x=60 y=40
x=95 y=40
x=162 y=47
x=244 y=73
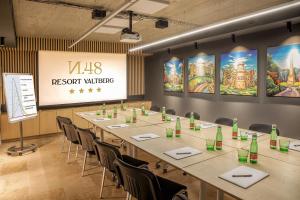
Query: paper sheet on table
x=101 y=119
x=295 y=145
x=250 y=133
x=244 y=182
x=152 y=113
x=207 y=125
x=117 y=126
x=181 y=153
x=87 y=113
x=146 y=136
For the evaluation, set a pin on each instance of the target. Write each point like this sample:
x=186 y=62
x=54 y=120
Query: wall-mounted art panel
x=201 y=74
x=283 y=71
x=174 y=75
x=238 y=73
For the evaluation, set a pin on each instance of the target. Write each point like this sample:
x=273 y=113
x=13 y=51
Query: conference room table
x=283 y=181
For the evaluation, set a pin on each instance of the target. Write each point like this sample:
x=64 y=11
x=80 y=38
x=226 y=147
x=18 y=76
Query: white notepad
x=295 y=145
x=101 y=119
x=146 y=136
x=181 y=153
x=117 y=126
x=207 y=125
x=244 y=182
x=250 y=133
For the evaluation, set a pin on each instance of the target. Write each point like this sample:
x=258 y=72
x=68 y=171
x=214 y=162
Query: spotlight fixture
x=1 y=41
x=161 y=23
x=196 y=45
x=233 y=38
x=169 y=51
x=255 y=15
x=289 y=26
x=98 y=14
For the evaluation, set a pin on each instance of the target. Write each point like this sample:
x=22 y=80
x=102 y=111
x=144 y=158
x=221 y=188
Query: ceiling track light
x=2 y=43
x=196 y=45
x=169 y=51
x=233 y=38
x=254 y=15
x=289 y=26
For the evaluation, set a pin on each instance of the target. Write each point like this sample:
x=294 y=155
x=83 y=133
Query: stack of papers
x=100 y=119
x=117 y=126
x=181 y=153
x=244 y=176
x=250 y=133
x=146 y=136
x=295 y=145
x=208 y=125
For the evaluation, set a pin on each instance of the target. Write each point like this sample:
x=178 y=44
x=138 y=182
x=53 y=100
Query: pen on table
x=296 y=145
x=145 y=137
x=182 y=153
x=242 y=175
x=116 y=126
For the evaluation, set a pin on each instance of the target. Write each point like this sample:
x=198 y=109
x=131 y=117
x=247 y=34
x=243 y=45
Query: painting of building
x=201 y=74
x=283 y=71
x=174 y=75
x=238 y=73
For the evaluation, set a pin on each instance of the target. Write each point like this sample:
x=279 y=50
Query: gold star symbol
x=71 y=91
x=98 y=89
x=81 y=90
x=90 y=90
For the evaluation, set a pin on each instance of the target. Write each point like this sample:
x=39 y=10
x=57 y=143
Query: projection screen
x=77 y=77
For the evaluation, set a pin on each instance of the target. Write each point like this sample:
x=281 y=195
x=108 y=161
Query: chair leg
x=63 y=145
x=84 y=161
x=70 y=144
x=102 y=182
x=127 y=196
x=130 y=197
x=77 y=147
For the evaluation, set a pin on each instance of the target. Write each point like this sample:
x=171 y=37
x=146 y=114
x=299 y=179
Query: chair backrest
x=139 y=182
x=107 y=154
x=224 y=121
x=264 y=128
x=155 y=108
x=196 y=115
x=60 y=120
x=71 y=132
x=171 y=112
x=86 y=138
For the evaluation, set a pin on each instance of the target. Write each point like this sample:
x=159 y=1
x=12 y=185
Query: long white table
x=284 y=168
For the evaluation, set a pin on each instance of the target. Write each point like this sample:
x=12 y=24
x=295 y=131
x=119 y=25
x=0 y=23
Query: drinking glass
x=284 y=145
x=109 y=115
x=169 y=132
x=243 y=135
x=168 y=118
x=128 y=119
x=210 y=144
x=98 y=113
x=243 y=155
x=197 y=128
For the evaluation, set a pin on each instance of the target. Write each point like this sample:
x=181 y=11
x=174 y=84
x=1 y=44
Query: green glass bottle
x=115 y=111
x=143 y=109
x=253 y=149
x=219 y=138
x=235 y=129
x=163 y=113
x=134 y=115
x=178 y=127
x=103 y=109
x=273 y=137
x=192 y=121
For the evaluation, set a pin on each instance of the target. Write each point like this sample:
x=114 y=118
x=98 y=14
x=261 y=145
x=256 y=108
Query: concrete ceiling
x=45 y=20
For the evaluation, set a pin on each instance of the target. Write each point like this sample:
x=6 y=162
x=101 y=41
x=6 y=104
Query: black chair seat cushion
x=75 y=142
x=134 y=162
x=91 y=152
x=169 y=188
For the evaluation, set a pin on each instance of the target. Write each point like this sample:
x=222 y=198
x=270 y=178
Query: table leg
x=134 y=151
x=220 y=194
x=101 y=135
x=202 y=195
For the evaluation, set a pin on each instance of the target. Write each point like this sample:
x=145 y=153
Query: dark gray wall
x=285 y=112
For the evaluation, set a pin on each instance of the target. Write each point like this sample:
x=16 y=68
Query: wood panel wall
x=24 y=59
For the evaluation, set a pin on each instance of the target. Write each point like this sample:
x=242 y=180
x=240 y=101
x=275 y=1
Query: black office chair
x=155 y=108
x=107 y=153
x=86 y=139
x=171 y=112
x=196 y=115
x=224 y=121
x=72 y=137
x=144 y=185
x=60 y=120
x=264 y=128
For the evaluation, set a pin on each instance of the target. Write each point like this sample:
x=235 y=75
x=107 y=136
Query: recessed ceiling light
x=224 y=23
